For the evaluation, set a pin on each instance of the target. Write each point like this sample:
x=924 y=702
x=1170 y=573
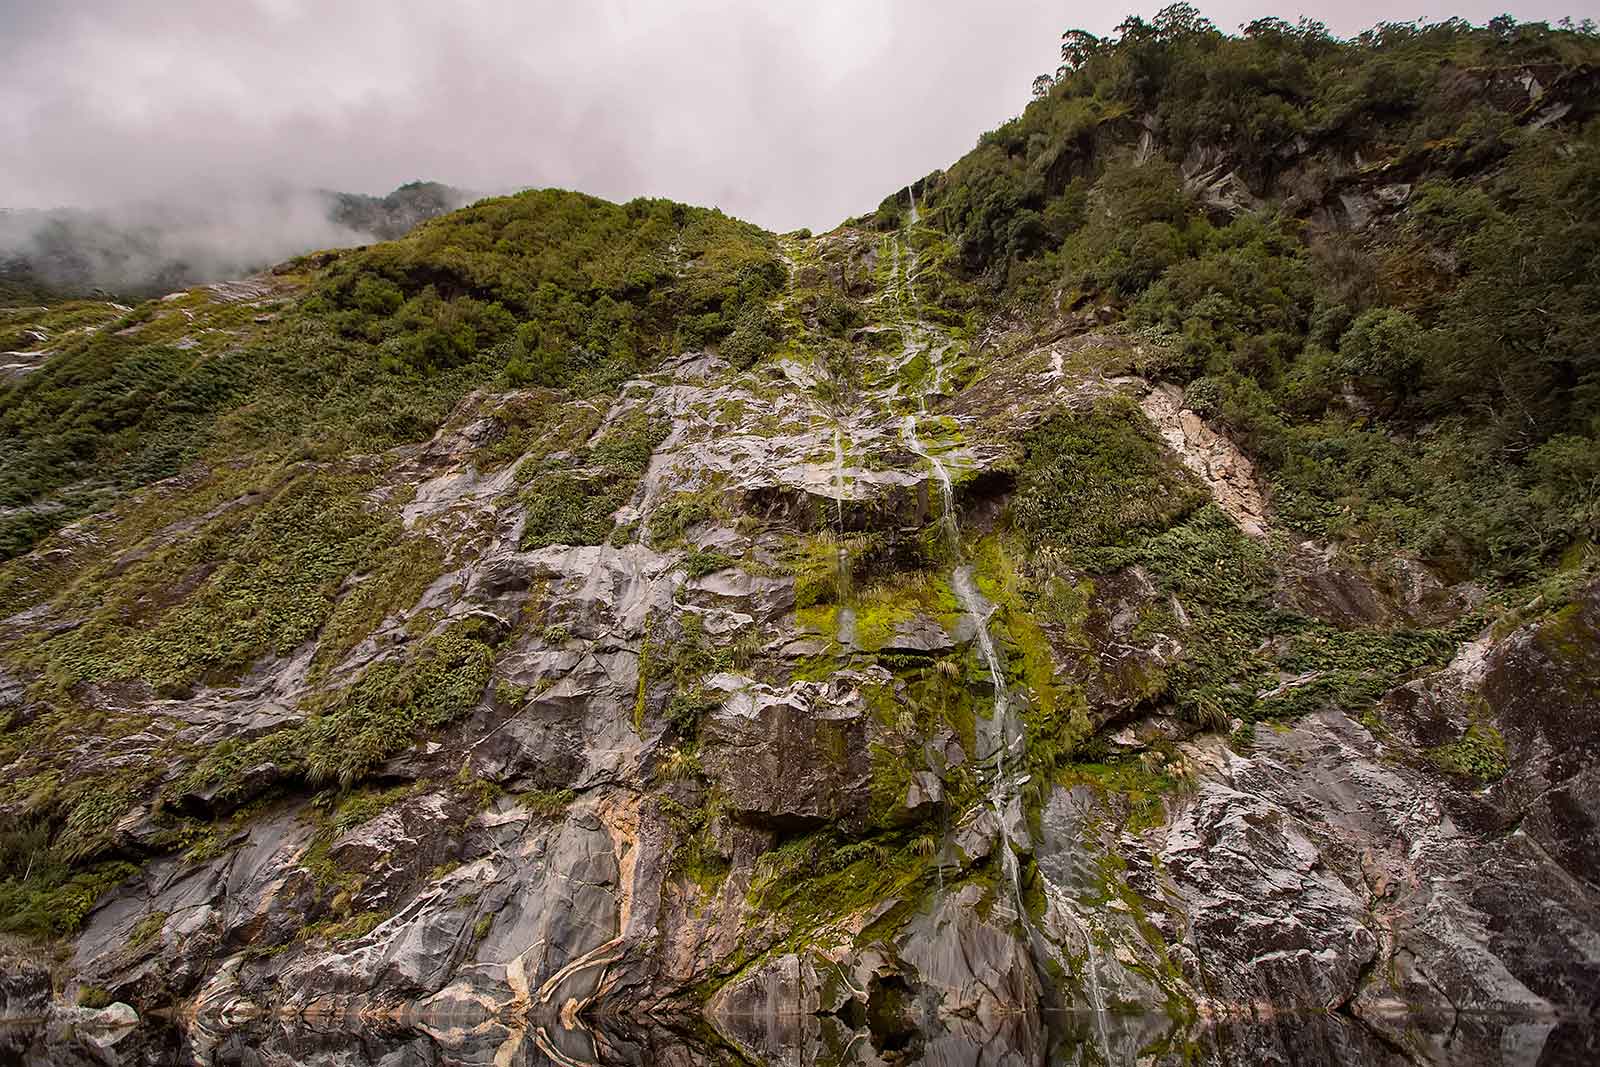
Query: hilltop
x=1147 y=569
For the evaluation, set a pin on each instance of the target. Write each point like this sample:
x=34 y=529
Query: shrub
x=1384 y=346
x=754 y=337
x=1100 y=479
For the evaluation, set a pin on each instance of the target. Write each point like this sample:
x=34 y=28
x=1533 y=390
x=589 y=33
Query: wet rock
x=99 y=1027
x=24 y=988
x=1270 y=922
x=919 y=634
x=794 y=757
x=577 y=855
x=12 y=691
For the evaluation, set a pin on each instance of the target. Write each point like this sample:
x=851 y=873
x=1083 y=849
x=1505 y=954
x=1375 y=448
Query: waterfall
x=838 y=477
x=972 y=604
x=999 y=740
x=947 y=515
x=1097 y=999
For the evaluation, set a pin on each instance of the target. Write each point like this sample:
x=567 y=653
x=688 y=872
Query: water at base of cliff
x=1303 y=1040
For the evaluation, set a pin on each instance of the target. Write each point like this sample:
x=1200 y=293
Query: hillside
x=1130 y=598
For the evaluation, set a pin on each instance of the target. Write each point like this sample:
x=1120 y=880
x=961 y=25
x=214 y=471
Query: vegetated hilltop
x=150 y=249
x=1149 y=564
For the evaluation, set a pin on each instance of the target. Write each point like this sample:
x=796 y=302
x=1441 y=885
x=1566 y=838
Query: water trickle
x=838 y=478
x=1000 y=734
x=1097 y=999
x=845 y=632
x=997 y=736
x=947 y=515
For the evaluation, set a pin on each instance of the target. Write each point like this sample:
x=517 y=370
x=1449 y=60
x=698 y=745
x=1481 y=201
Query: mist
x=152 y=247
x=181 y=125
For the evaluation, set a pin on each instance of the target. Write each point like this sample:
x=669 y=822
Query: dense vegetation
x=271 y=525
x=1419 y=378
x=548 y=288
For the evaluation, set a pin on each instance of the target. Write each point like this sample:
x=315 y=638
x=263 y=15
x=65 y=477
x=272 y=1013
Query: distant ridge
x=147 y=249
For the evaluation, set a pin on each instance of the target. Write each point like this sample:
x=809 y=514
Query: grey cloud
x=787 y=114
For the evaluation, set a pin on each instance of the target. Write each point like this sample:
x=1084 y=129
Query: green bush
x=1384 y=346
x=755 y=336
x=1100 y=479
x=573 y=502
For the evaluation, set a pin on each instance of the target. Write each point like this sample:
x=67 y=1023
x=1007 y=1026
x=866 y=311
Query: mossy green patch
x=351 y=730
x=52 y=899
x=572 y=501
x=1141 y=792
x=254 y=581
x=1101 y=479
x=695 y=855
x=396 y=579
x=819 y=879
x=1478 y=755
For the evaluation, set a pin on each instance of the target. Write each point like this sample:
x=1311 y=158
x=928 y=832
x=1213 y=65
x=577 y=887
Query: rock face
x=816 y=760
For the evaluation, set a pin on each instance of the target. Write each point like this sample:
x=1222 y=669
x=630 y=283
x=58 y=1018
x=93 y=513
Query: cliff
x=1100 y=606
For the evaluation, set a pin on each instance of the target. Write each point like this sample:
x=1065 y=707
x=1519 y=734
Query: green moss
x=817 y=880
x=698 y=564
x=147 y=929
x=821 y=619
x=364 y=805
x=54 y=899
x=534 y=425
x=672 y=672
x=572 y=501
x=891 y=780
x=821 y=565
x=998 y=579
x=396 y=579
x=818 y=668
x=1568 y=637
x=345 y=929
x=93 y=996
x=1054 y=714
x=1478 y=755
x=351 y=730
x=695 y=854
x=252 y=582
x=887 y=603
x=1141 y=793
x=547 y=803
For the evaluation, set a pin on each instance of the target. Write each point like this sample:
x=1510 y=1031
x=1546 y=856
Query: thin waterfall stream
x=998 y=740
x=961 y=583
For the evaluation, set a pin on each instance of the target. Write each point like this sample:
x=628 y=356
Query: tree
x=1076 y=48
x=1180 y=20
x=1384 y=346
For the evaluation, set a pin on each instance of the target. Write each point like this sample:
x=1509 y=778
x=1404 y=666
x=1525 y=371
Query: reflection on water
x=829 y=1041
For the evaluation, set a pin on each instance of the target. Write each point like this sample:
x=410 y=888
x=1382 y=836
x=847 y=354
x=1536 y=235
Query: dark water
x=1110 y=1041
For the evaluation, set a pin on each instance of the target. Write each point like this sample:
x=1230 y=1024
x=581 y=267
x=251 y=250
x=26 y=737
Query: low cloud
x=785 y=114
x=147 y=247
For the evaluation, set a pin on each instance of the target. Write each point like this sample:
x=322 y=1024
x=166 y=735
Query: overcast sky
x=785 y=113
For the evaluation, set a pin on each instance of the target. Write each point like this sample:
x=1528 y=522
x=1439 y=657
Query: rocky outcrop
x=782 y=766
